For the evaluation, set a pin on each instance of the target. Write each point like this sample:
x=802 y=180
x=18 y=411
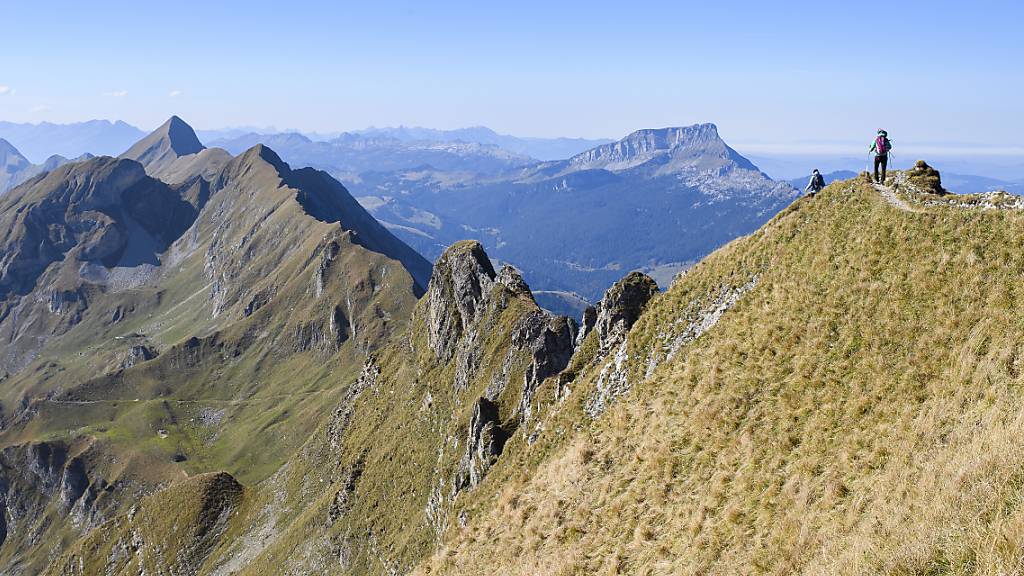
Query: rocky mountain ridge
x=163 y=324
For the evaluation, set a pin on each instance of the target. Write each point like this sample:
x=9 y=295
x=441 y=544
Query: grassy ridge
x=857 y=412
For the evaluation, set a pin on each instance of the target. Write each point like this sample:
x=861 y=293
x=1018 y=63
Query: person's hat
x=815 y=170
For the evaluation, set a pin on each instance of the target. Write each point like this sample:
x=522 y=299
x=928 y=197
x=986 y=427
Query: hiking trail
x=890 y=196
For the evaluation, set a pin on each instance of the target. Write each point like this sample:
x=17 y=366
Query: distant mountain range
x=351 y=154
x=218 y=364
x=539 y=148
x=15 y=168
x=100 y=137
x=657 y=200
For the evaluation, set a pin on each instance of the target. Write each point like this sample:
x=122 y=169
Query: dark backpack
x=819 y=182
x=882 y=145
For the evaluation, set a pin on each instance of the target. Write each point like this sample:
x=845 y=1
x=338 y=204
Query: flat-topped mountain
x=657 y=200
x=673 y=150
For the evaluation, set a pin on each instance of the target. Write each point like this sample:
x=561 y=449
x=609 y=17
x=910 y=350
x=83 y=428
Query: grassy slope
x=857 y=412
x=247 y=397
x=406 y=432
x=354 y=497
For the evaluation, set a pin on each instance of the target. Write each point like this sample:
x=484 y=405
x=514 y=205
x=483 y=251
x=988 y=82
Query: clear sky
x=768 y=73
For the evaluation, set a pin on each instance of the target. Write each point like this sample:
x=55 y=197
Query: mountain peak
x=172 y=140
x=8 y=151
x=182 y=137
x=266 y=154
x=12 y=165
x=674 y=149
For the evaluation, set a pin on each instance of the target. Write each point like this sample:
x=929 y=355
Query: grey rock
x=136 y=355
x=485 y=441
x=460 y=282
x=621 y=308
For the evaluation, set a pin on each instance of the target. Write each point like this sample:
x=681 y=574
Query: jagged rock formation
x=485 y=440
x=137 y=354
x=462 y=277
x=619 y=309
x=770 y=356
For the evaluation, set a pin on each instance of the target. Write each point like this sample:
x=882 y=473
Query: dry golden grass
x=859 y=412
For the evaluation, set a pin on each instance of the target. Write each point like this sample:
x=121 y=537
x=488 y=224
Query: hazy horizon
x=783 y=77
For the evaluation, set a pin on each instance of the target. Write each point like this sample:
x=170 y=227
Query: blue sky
x=771 y=75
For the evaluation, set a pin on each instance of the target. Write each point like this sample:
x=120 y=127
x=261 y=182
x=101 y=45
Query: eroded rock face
x=42 y=479
x=589 y=320
x=461 y=280
x=620 y=308
x=485 y=441
x=137 y=354
x=551 y=342
x=614 y=316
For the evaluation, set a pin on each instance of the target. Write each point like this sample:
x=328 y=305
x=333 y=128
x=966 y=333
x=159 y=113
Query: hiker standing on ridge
x=881 y=147
x=816 y=184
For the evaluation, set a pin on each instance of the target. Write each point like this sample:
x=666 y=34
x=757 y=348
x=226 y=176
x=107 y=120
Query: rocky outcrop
x=43 y=484
x=614 y=316
x=550 y=342
x=485 y=441
x=136 y=355
x=618 y=310
x=461 y=281
x=923 y=179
